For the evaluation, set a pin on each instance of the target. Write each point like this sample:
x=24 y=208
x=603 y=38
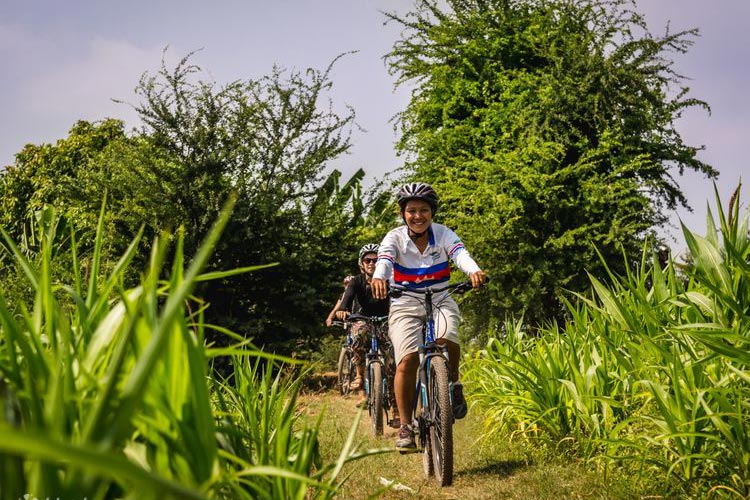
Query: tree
x=268 y=141
x=547 y=127
x=49 y=174
x=73 y=176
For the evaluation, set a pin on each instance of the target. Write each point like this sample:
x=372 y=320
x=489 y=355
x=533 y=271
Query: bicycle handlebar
x=396 y=290
x=362 y=317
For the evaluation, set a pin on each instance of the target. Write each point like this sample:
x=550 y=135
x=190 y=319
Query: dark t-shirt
x=359 y=291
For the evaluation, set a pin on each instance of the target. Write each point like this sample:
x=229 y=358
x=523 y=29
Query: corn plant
x=260 y=429
x=106 y=393
x=651 y=367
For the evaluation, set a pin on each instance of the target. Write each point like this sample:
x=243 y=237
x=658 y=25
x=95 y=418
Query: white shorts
x=407 y=316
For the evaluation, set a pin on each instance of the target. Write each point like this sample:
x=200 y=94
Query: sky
x=65 y=61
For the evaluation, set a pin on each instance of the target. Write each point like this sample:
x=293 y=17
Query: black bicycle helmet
x=369 y=248
x=417 y=191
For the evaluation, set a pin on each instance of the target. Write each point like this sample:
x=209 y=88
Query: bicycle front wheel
x=441 y=424
x=375 y=403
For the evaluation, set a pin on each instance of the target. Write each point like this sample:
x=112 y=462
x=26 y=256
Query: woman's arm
x=329 y=319
x=345 y=304
x=387 y=255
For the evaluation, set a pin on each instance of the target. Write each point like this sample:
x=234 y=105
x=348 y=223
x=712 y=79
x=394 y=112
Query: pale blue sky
x=64 y=61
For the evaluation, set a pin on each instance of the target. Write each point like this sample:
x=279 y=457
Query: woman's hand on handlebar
x=478 y=279
x=379 y=288
x=342 y=315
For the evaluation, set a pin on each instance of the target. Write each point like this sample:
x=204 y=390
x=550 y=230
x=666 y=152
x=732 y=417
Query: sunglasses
x=370 y=260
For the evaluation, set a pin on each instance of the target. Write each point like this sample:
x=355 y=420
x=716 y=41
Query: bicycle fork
x=424 y=421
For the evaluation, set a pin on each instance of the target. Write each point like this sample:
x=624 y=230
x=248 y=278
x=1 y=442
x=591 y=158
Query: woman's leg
x=405 y=385
x=454 y=358
x=359 y=343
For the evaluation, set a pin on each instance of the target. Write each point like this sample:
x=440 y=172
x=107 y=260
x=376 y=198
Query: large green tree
x=548 y=128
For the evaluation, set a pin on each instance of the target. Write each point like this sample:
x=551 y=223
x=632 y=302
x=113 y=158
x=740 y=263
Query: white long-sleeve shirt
x=400 y=260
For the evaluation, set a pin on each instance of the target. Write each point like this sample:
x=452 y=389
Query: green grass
x=498 y=468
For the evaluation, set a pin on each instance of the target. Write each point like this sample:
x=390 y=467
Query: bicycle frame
x=433 y=418
x=375 y=351
x=376 y=354
x=429 y=347
x=427 y=350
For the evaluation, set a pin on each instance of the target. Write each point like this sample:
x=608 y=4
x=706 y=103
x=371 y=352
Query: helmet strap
x=363 y=270
x=415 y=235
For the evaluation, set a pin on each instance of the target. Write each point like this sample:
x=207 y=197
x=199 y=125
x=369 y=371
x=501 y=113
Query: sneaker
x=356 y=384
x=460 y=408
x=405 y=439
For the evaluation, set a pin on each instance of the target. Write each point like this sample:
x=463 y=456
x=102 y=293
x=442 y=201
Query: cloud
x=13 y=39
x=84 y=88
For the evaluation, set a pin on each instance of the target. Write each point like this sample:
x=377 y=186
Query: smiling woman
x=417 y=255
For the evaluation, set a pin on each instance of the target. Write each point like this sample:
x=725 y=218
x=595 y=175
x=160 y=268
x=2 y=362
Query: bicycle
x=346 y=369
x=377 y=387
x=432 y=415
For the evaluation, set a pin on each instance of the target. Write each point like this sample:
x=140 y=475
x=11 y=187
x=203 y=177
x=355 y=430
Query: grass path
x=480 y=471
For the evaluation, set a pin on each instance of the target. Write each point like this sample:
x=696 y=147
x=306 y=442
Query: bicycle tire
x=441 y=426
x=375 y=405
x=344 y=371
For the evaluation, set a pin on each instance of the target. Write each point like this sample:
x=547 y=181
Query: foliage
x=269 y=141
x=547 y=127
x=652 y=368
x=49 y=174
x=113 y=399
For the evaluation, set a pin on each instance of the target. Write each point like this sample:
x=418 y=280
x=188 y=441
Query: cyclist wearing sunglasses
x=417 y=254
x=359 y=289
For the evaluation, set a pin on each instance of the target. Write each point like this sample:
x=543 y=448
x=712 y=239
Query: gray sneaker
x=405 y=439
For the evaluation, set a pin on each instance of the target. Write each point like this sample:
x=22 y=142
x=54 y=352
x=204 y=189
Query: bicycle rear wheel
x=441 y=425
x=375 y=398
x=345 y=371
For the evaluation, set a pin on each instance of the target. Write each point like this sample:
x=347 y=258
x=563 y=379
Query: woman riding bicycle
x=418 y=254
x=359 y=290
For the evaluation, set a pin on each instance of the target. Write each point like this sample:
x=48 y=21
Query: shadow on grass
x=501 y=468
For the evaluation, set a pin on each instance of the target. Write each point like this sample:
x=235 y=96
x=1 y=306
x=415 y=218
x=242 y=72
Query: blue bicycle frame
x=429 y=348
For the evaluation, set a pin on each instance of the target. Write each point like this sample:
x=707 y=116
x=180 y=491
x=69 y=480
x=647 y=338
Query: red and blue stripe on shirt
x=422 y=277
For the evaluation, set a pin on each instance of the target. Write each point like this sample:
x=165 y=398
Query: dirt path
x=480 y=471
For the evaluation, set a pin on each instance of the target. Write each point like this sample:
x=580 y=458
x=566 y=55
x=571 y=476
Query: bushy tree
x=269 y=142
x=76 y=173
x=49 y=174
x=547 y=127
